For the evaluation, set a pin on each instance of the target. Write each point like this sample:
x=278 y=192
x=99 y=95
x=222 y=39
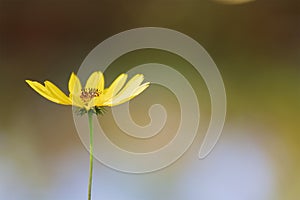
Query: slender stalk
x=90 y=116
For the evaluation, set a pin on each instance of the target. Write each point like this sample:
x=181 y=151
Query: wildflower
x=93 y=97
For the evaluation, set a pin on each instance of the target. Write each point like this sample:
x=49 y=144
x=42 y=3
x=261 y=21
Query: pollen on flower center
x=89 y=93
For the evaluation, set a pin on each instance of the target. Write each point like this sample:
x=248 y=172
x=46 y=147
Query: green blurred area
x=255 y=46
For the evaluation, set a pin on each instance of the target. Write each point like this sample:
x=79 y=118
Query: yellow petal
x=132 y=84
x=115 y=87
x=57 y=93
x=76 y=101
x=98 y=101
x=141 y=88
x=91 y=103
x=74 y=85
x=39 y=88
x=132 y=89
x=96 y=81
x=136 y=92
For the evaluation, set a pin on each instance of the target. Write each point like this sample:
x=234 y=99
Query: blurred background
x=256 y=48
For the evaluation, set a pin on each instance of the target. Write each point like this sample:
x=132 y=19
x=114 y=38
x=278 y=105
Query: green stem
x=90 y=116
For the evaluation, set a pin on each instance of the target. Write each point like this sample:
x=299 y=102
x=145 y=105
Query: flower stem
x=90 y=116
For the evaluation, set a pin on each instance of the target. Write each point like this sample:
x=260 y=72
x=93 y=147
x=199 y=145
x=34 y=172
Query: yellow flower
x=93 y=96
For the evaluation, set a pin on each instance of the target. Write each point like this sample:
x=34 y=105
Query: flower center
x=89 y=93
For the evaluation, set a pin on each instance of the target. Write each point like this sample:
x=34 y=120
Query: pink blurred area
x=255 y=46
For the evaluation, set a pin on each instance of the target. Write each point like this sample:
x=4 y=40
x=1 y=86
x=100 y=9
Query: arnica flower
x=93 y=97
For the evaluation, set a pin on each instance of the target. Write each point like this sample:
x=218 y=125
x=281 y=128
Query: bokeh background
x=256 y=46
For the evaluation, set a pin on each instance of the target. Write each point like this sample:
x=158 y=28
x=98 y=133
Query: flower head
x=93 y=96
